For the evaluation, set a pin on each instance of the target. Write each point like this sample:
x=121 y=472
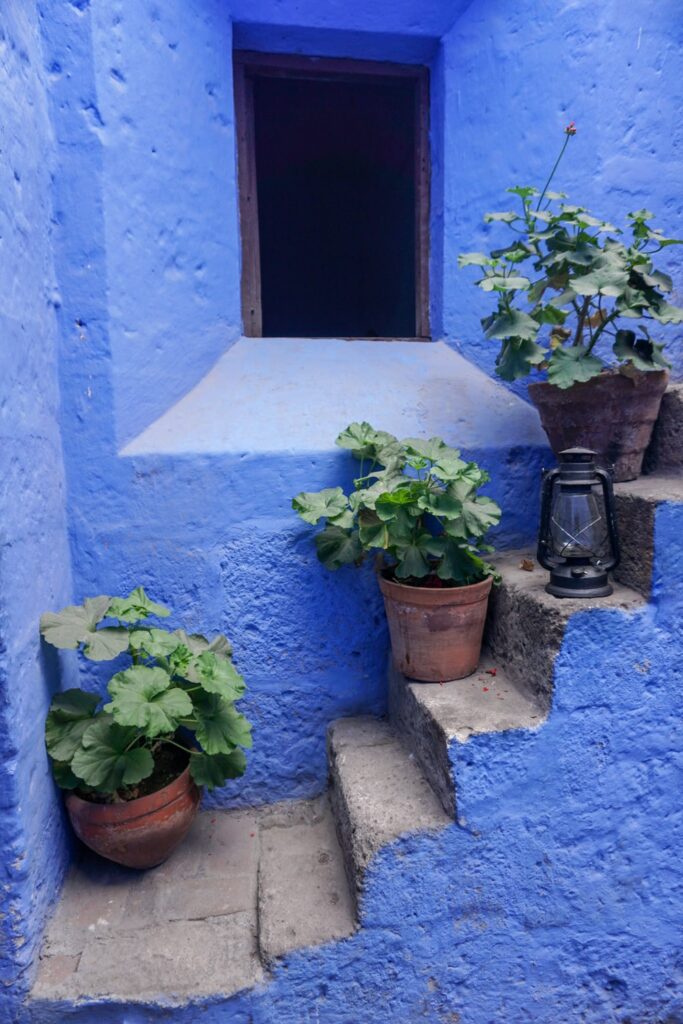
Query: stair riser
x=636 y=524
x=342 y=817
x=514 y=625
x=423 y=737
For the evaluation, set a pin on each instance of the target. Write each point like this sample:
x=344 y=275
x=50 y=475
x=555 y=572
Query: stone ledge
x=312 y=389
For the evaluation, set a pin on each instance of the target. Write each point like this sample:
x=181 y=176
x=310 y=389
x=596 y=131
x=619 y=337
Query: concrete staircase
x=249 y=888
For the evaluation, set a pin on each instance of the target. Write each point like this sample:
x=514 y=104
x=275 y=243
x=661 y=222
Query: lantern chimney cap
x=577 y=455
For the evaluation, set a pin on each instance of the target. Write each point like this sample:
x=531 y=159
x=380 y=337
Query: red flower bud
x=571 y=128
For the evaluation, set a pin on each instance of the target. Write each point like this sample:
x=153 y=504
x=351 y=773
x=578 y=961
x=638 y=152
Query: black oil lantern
x=578 y=540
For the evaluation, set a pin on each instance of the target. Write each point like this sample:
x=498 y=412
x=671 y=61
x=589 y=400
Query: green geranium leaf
x=549 y=315
x=77 y=624
x=656 y=279
x=70 y=714
x=156 y=643
x=507 y=217
x=135 y=607
x=216 y=770
x=197 y=643
x=144 y=698
x=526 y=191
x=514 y=324
x=572 y=365
x=220 y=728
x=63 y=775
x=372 y=531
x=363 y=440
x=104 y=760
x=643 y=353
x=390 y=506
x=216 y=675
x=414 y=558
x=337 y=547
x=475 y=517
x=325 y=504
x=462 y=565
x=474 y=259
x=431 y=450
x=641 y=215
x=516 y=358
x=665 y=313
x=609 y=278
x=500 y=283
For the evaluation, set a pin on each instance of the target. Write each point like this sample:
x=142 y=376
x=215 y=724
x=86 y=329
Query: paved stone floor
x=245 y=887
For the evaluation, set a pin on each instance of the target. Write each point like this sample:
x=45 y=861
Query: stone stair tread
x=190 y=928
x=379 y=790
x=531 y=584
x=656 y=487
x=304 y=897
x=487 y=701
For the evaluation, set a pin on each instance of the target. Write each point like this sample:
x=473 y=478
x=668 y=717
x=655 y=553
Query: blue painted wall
x=126 y=280
x=556 y=895
x=34 y=557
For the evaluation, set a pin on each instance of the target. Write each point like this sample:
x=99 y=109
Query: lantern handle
x=544 y=529
x=608 y=494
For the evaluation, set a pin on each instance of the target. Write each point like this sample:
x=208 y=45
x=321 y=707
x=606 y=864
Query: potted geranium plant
x=576 y=299
x=132 y=767
x=415 y=502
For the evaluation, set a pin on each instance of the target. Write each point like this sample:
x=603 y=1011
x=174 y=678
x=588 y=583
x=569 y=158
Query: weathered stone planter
x=137 y=833
x=612 y=414
x=435 y=634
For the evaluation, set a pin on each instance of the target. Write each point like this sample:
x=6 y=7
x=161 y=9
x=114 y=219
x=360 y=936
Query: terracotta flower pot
x=435 y=634
x=138 y=833
x=612 y=414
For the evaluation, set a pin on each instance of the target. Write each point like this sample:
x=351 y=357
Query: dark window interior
x=335 y=169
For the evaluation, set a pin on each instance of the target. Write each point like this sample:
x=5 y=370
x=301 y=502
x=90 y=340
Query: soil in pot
x=436 y=630
x=613 y=414
x=141 y=826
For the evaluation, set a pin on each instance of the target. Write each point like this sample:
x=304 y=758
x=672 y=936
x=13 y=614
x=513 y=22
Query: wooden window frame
x=247 y=66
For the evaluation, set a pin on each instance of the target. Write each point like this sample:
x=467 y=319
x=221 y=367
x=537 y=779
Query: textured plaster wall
x=138 y=205
x=515 y=75
x=34 y=557
x=555 y=896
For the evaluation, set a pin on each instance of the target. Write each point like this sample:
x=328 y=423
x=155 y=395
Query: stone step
x=431 y=716
x=636 y=505
x=379 y=792
x=194 y=928
x=525 y=625
x=665 y=452
x=303 y=893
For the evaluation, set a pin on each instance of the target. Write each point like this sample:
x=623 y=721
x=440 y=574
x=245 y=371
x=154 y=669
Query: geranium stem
x=552 y=173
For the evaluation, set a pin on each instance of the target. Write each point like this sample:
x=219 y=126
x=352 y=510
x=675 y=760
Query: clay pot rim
x=639 y=380
x=404 y=593
x=130 y=810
